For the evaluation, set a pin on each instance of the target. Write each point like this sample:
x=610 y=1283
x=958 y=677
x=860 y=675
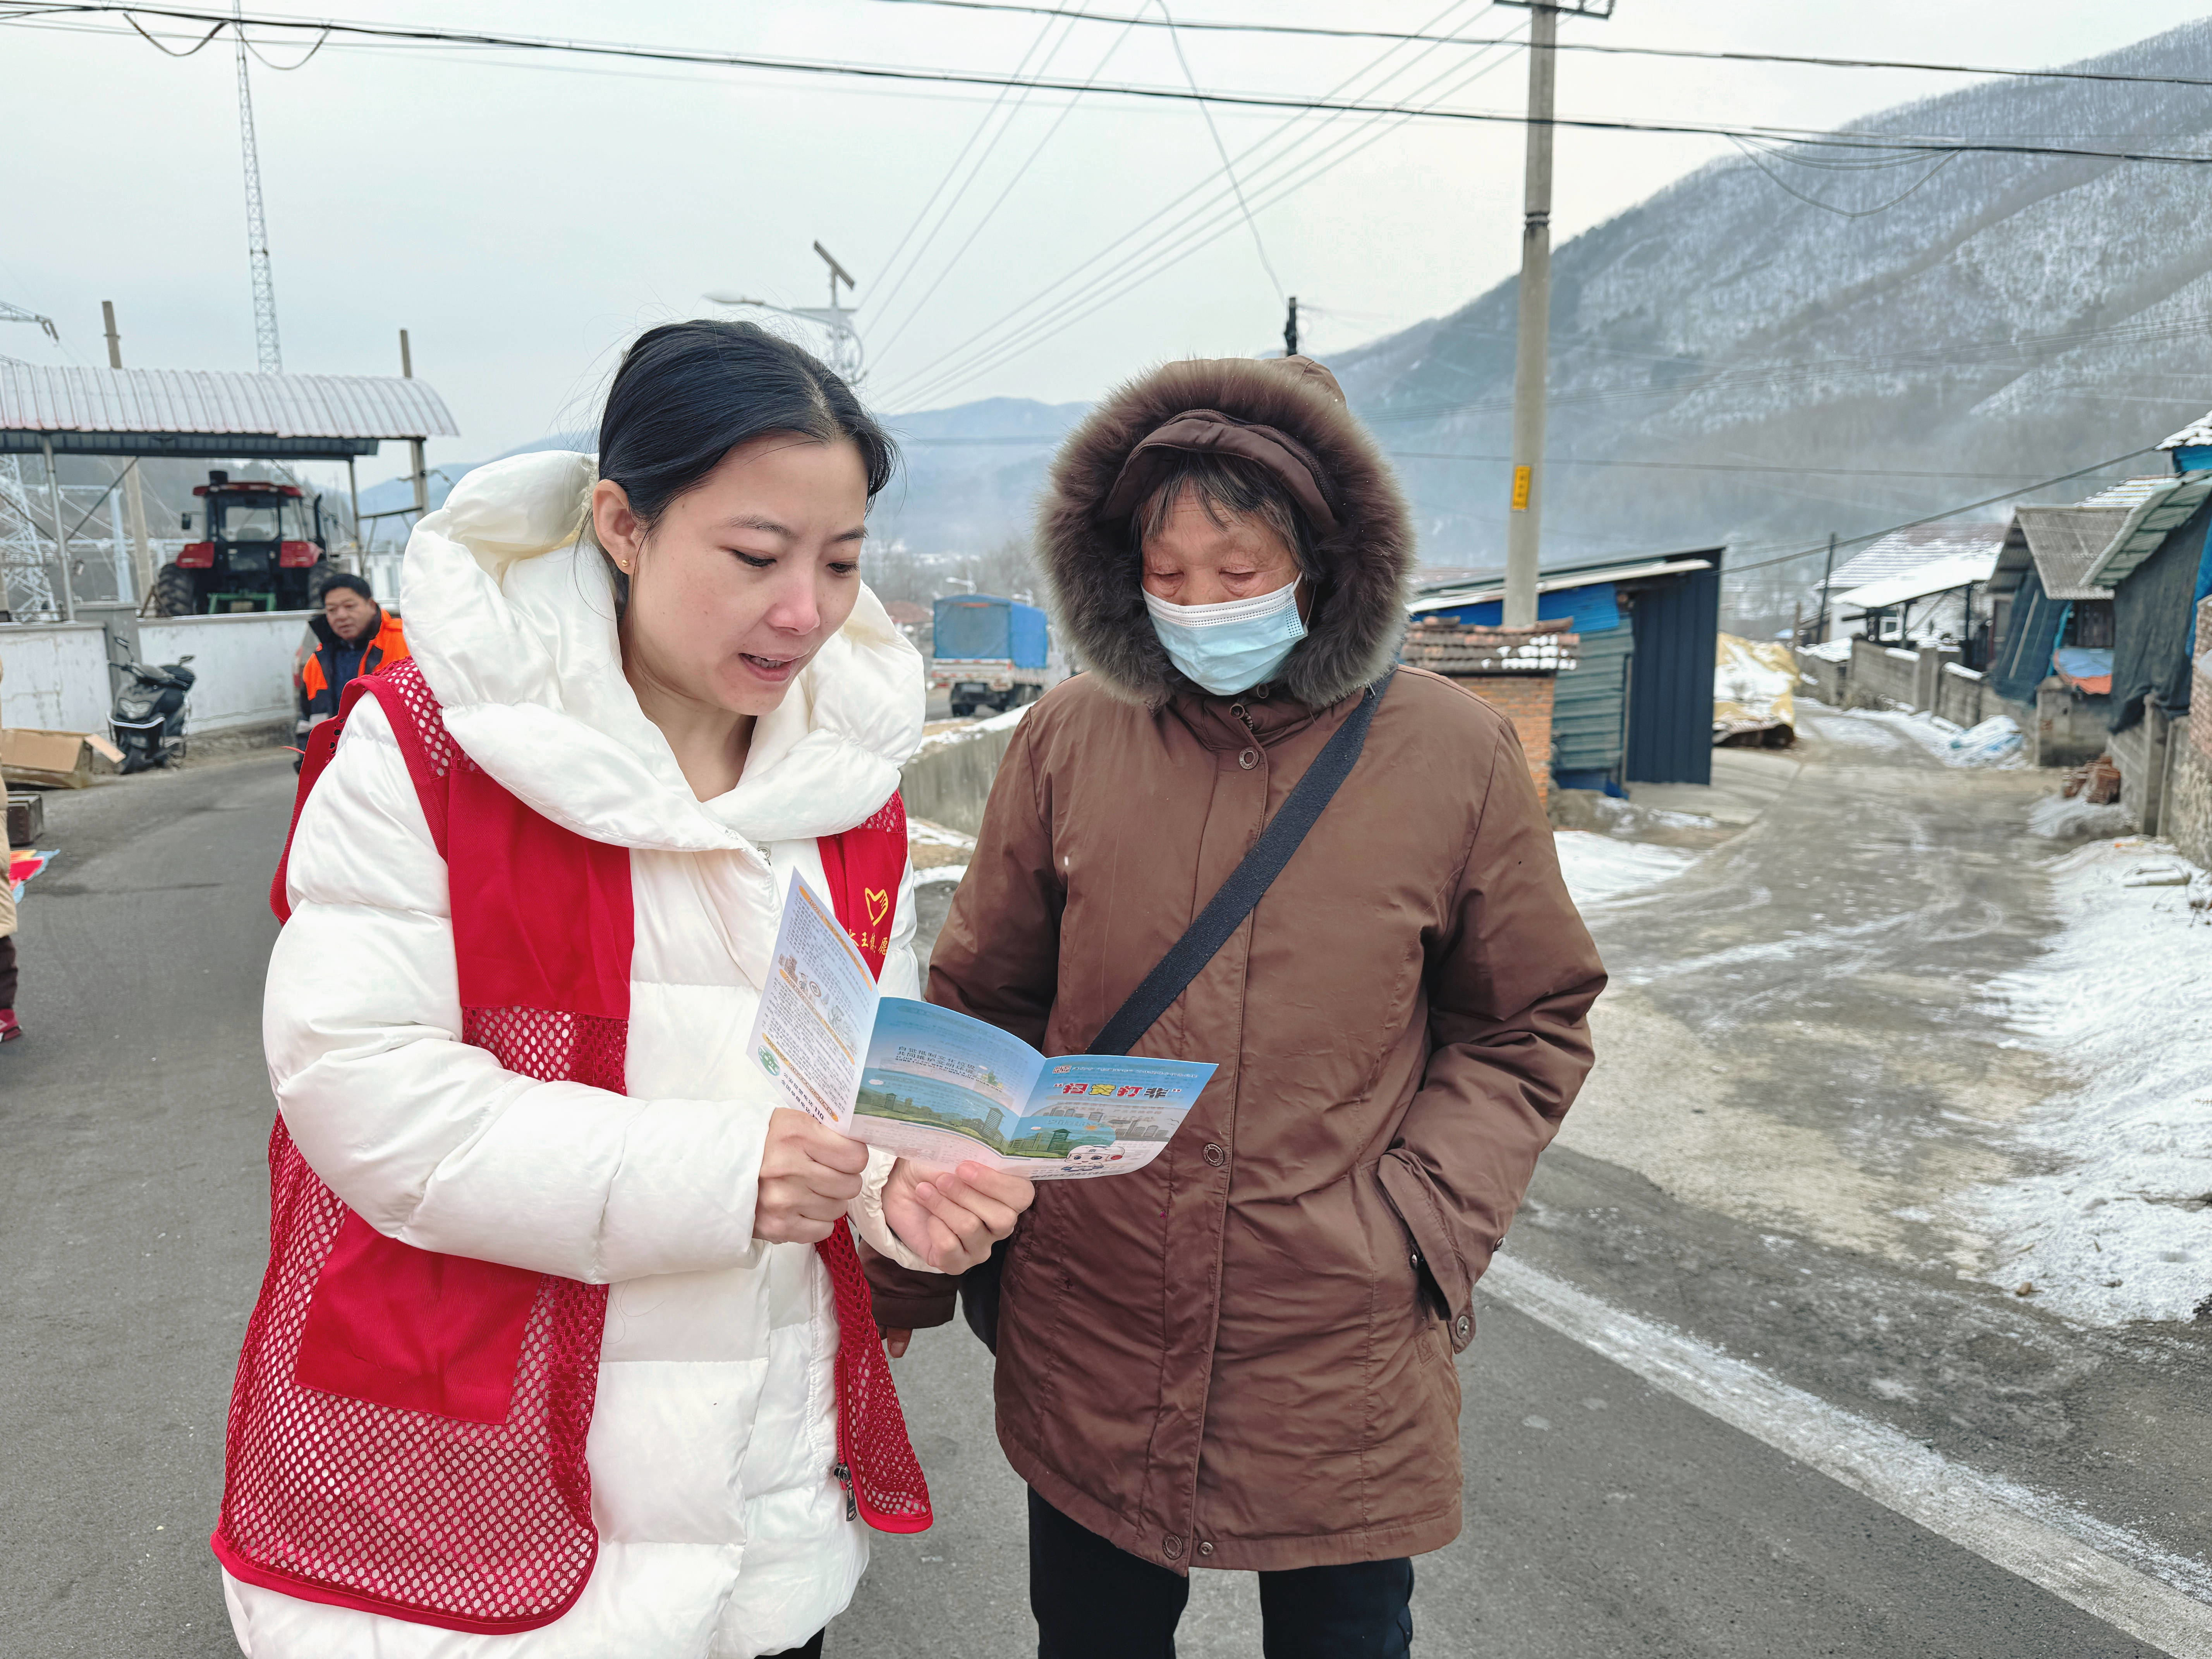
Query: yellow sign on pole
x=1520 y=490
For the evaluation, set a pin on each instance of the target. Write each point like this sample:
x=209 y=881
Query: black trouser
x=1095 y=1601
x=812 y=1650
x=6 y=969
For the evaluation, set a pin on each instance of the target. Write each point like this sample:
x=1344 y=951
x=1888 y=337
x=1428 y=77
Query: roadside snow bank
x=2116 y=1227
x=1598 y=868
x=1995 y=744
x=968 y=731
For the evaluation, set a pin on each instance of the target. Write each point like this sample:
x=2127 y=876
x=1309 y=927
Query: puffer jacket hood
x=1094 y=568
x=511 y=614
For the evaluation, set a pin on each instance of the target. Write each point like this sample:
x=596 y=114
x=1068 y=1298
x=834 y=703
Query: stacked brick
x=1512 y=669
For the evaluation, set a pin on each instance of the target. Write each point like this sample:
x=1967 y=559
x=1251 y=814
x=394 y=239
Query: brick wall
x=2185 y=818
x=1526 y=699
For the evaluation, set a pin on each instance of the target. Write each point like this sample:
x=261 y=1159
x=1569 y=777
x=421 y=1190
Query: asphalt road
x=1604 y=1517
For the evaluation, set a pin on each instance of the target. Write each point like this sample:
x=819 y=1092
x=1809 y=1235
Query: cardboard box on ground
x=52 y=760
x=27 y=819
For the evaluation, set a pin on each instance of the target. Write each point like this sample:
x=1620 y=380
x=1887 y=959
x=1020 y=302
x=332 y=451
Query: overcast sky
x=522 y=216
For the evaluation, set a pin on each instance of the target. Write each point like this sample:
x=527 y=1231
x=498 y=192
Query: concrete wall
x=244 y=664
x=950 y=783
x=54 y=676
x=1881 y=677
x=1821 y=680
x=1963 y=697
x=2067 y=729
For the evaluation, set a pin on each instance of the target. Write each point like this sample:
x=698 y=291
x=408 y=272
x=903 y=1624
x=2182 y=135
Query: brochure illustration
x=937 y=1087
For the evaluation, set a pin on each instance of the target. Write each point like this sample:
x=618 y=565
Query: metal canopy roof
x=1481 y=589
x=2147 y=526
x=1937 y=576
x=160 y=411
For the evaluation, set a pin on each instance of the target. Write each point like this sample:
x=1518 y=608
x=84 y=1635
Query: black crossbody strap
x=1227 y=911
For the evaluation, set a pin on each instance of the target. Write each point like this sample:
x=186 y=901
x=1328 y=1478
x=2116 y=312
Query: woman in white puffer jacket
x=753 y=698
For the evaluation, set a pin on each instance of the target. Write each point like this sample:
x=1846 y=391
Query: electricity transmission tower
x=270 y=356
x=1532 y=348
x=24 y=589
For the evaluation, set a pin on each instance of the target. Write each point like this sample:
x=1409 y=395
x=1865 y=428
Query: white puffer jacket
x=722 y=1534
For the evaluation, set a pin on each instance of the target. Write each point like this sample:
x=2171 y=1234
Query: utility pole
x=134 y=492
x=270 y=357
x=414 y=445
x=1290 y=329
x=1827 y=570
x=61 y=529
x=1533 y=336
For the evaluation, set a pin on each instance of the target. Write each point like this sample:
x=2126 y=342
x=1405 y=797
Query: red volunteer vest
x=407 y=1429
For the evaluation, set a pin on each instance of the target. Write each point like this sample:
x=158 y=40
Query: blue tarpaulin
x=2030 y=635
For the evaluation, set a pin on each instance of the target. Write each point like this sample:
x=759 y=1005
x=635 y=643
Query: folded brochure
x=937 y=1086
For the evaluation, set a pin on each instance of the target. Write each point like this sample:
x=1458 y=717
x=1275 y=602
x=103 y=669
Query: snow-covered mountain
x=1993 y=318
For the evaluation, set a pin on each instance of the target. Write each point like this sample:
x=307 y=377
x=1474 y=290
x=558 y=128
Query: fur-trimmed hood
x=1359 y=616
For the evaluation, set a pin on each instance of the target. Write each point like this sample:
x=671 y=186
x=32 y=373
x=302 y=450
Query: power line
x=1222 y=151
x=1686 y=467
x=1948 y=512
x=1581 y=45
x=1177 y=240
x=1836 y=139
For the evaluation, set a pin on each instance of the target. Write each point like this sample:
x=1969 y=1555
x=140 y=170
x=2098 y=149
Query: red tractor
x=263 y=551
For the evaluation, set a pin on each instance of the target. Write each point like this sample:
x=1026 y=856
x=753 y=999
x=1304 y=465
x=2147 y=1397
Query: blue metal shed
x=1638 y=706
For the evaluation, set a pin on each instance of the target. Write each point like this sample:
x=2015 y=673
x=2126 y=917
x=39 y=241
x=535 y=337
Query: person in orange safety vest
x=355 y=636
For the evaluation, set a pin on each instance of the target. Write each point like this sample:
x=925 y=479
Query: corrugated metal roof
x=2145 y=529
x=1455 y=594
x=1908 y=550
x=2062 y=543
x=34 y=398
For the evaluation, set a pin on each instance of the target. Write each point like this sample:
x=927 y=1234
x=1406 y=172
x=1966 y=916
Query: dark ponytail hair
x=688 y=393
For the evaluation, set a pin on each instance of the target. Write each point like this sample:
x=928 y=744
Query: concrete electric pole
x=134 y=493
x=416 y=471
x=1290 y=329
x=1531 y=345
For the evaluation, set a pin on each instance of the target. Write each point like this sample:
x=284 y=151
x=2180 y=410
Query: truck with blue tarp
x=988 y=653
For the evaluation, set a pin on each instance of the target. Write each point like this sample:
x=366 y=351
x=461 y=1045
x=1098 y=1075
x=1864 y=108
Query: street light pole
x=1531 y=343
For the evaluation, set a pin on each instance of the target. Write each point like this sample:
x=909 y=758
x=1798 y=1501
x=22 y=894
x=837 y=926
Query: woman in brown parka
x=1241 y=1355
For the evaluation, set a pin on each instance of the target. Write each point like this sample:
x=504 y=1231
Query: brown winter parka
x=1241 y=1355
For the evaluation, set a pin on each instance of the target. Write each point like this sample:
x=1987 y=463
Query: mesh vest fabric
x=454 y=1491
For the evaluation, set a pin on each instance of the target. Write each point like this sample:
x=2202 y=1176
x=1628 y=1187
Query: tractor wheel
x=963 y=710
x=172 y=592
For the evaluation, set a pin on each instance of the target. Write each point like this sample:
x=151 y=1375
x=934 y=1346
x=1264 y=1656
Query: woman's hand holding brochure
x=941 y=1089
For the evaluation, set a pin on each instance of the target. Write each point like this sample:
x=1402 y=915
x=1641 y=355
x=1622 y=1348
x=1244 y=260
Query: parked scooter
x=148 y=717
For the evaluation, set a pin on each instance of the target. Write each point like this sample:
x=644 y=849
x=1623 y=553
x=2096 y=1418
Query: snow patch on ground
x=2115 y=1226
x=1598 y=868
x=1995 y=744
x=2055 y=818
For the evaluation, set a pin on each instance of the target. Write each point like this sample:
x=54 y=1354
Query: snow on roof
x=2148 y=525
x=1908 y=550
x=2198 y=431
x=50 y=402
x=2129 y=491
x=1458 y=649
x=1937 y=576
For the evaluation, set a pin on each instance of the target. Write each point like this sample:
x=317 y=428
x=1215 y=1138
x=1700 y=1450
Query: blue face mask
x=1230 y=646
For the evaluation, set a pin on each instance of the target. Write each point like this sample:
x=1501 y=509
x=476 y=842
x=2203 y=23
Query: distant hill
x=2013 y=315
